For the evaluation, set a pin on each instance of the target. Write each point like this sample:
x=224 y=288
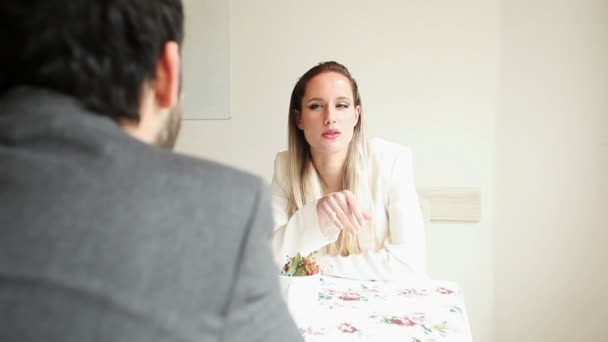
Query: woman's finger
x=354 y=206
x=342 y=216
x=328 y=211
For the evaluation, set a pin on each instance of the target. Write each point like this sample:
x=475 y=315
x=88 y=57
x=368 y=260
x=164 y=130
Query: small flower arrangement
x=299 y=266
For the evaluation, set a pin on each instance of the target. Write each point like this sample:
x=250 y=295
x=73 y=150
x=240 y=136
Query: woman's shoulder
x=383 y=150
x=280 y=159
x=281 y=172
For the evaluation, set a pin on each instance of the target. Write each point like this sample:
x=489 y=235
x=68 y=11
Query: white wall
x=428 y=72
x=552 y=172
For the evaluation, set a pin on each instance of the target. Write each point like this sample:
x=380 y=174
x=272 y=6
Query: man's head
x=119 y=58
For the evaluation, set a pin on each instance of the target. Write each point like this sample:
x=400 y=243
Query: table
x=412 y=311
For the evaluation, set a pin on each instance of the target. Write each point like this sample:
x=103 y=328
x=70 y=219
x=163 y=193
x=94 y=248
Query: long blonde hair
x=300 y=159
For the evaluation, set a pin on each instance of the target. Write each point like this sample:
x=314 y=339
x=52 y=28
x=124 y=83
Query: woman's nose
x=329 y=116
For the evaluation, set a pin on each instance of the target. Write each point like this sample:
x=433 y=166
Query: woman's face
x=329 y=114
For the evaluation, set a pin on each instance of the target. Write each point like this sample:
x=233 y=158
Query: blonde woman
x=349 y=201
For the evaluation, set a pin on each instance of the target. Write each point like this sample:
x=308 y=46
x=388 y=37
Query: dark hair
x=99 y=51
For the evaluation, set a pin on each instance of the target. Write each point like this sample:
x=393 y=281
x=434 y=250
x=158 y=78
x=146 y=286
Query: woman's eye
x=314 y=106
x=342 y=105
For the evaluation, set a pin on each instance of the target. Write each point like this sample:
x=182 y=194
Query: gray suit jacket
x=104 y=238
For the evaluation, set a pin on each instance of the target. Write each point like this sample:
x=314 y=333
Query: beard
x=167 y=137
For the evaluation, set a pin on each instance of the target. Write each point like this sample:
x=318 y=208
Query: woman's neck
x=330 y=167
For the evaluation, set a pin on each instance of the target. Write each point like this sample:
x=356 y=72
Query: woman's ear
x=357 y=114
x=298 y=117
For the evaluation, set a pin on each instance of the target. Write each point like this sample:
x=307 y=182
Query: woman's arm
x=402 y=254
x=302 y=232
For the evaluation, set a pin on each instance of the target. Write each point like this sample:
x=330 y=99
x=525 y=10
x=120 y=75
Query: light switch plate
x=451 y=204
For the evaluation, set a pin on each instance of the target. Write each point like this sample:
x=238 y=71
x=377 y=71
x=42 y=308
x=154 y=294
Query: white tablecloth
x=415 y=311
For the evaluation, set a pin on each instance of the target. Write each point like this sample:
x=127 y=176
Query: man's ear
x=166 y=82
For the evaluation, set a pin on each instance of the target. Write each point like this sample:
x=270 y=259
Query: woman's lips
x=331 y=134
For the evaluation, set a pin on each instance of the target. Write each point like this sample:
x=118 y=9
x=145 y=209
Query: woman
x=351 y=202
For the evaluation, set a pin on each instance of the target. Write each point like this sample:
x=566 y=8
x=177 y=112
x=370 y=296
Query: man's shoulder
x=191 y=165
x=204 y=176
x=209 y=171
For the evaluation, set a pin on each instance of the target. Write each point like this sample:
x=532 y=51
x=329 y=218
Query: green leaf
x=293 y=265
x=292 y=269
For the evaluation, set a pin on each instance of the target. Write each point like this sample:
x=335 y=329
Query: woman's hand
x=343 y=210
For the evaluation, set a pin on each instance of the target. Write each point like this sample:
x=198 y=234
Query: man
x=104 y=236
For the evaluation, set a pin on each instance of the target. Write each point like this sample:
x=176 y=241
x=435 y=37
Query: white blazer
x=387 y=187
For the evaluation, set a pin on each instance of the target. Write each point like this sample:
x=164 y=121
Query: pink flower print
x=418 y=318
x=349 y=296
x=412 y=292
x=347 y=328
x=445 y=291
x=311 y=332
x=403 y=321
x=371 y=289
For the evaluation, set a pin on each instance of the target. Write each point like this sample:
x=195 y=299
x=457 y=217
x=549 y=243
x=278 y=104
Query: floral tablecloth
x=416 y=311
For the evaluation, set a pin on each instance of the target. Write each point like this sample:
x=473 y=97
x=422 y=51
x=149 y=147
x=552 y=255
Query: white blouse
x=388 y=188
